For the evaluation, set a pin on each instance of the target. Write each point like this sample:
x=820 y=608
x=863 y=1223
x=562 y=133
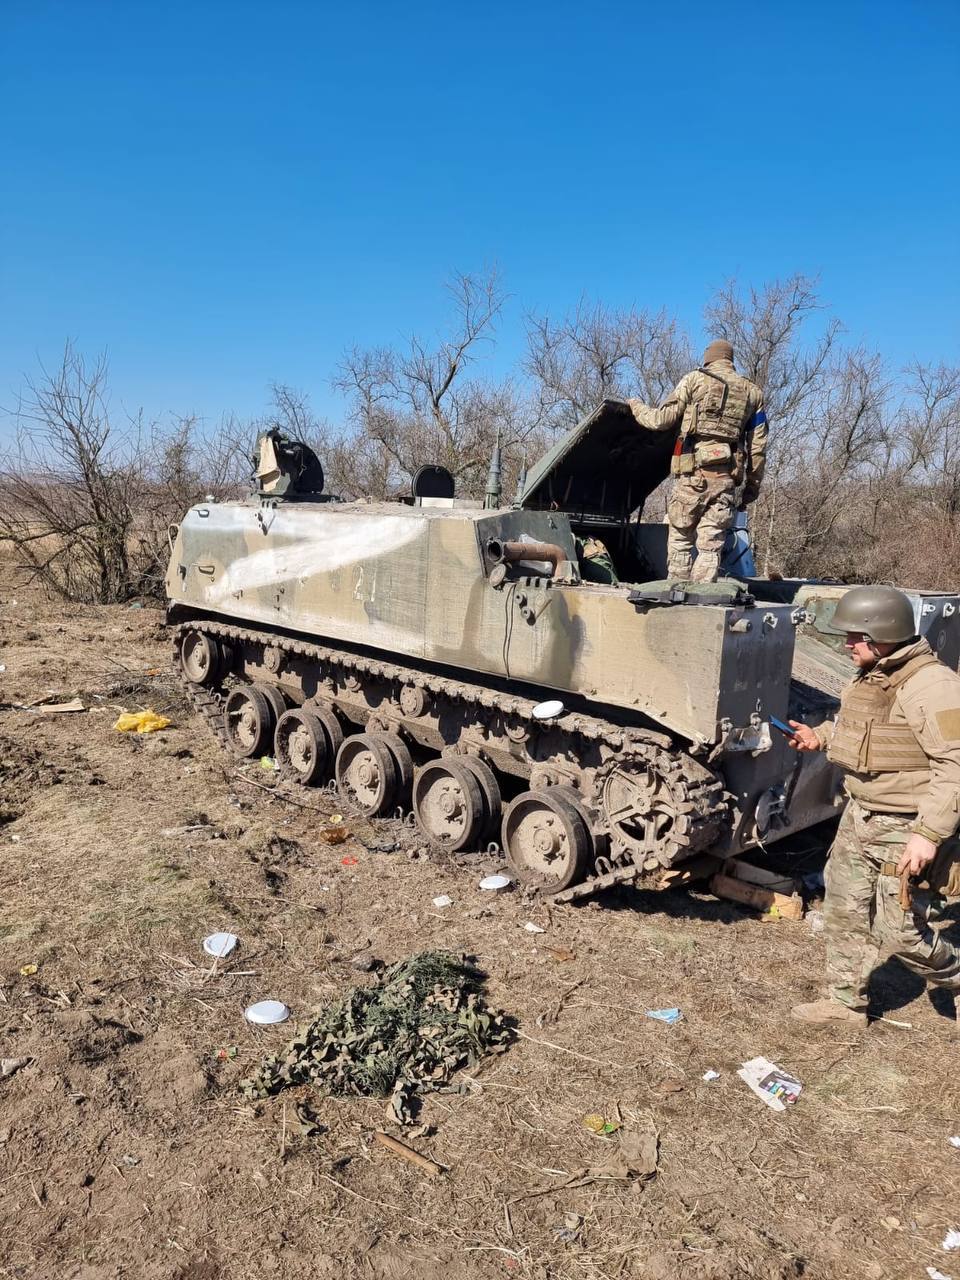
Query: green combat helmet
x=884 y=614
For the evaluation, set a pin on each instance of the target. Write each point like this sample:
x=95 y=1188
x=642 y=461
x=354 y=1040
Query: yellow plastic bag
x=141 y=722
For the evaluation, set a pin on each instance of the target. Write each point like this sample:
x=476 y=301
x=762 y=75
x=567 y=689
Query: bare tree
x=86 y=503
x=597 y=353
x=419 y=405
x=69 y=483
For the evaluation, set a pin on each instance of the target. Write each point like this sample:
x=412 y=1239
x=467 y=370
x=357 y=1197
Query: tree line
x=863 y=471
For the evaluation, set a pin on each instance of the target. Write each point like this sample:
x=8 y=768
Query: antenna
x=493 y=496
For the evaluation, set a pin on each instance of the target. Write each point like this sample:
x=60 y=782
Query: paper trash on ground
x=951 y=1240
x=775 y=1086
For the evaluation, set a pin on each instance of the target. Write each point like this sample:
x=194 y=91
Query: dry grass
x=124 y=1020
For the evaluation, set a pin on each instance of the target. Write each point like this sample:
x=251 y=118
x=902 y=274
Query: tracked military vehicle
x=461 y=660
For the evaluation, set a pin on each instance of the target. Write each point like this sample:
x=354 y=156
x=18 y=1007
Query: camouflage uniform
x=722 y=442
x=862 y=912
x=897 y=737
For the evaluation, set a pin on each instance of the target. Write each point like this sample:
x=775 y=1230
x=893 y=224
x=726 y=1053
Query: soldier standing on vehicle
x=721 y=445
x=895 y=854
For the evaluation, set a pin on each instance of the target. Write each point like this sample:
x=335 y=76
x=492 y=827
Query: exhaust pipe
x=512 y=552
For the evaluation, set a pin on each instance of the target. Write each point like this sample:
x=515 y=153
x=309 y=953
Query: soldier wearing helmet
x=721 y=444
x=895 y=854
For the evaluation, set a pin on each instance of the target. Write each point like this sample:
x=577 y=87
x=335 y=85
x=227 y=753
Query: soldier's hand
x=804 y=738
x=638 y=408
x=918 y=853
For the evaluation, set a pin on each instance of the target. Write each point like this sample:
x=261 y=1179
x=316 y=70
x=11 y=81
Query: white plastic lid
x=267 y=1012
x=548 y=710
x=495 y=882
x=219 y=944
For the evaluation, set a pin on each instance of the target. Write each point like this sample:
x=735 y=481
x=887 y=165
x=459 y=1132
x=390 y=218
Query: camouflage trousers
x=862 y=915
x=701 y=510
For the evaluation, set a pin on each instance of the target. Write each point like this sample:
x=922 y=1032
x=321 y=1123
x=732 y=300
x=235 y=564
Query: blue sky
x=224 y=194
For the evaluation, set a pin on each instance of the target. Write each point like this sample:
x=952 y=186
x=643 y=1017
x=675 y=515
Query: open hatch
x=601 y=473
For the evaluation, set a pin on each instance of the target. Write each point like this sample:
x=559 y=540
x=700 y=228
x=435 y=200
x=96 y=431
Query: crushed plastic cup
x=219 y=945
x=493 y=884
x=267 y=1013
x=670 y=1016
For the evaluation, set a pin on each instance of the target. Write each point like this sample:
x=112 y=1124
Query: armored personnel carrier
x=464 y=661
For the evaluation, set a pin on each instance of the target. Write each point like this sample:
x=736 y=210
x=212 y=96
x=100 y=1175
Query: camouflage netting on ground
x=423 y=1020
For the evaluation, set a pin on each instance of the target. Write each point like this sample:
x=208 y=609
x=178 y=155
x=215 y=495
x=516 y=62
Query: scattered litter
x=934 y=1274
x=548 y=710
x=136 y=605
x=334 y=835
x=226 y=1055
x=893 y=1022
x=131 y=1161
x=405 y=1035
x=711 y=1075
x=141 y=722
x=569 y=1233
x=954 y=1141
x=534 y=928
x=561 y=954
x=429 y=1167
x=493 y=884
x=268 y=763
x=597 y=1124
x=636 y=1157
x=671 y=1016
x=349 y=861
x=775 y=1086
x=3 y=667
x=442 y=901
x=266 y=1013
x=371 y=846
x=10 y=1065
x=891 y=1223
x=815 y=921
x=951 y=1240
x=28 y=970
x=15 y=839
x=308 y=1121
x=335 y=818
x=55 y=708
x=219 y=945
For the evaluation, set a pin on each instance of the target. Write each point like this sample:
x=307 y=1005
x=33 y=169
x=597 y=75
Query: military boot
x=828 y=1013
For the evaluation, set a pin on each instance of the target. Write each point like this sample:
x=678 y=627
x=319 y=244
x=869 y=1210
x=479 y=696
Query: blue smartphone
x=784 y=728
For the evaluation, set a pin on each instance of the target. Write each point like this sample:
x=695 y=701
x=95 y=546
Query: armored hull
x=451 y=659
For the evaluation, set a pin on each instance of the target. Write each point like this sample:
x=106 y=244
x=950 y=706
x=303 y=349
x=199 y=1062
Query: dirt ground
x=127 y=1149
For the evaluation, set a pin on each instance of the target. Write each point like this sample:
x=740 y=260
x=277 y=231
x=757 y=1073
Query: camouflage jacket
x=718 y=403
x=928 y=704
